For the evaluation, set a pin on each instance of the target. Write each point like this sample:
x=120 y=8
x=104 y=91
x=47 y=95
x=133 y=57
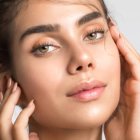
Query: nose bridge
x=81 y=59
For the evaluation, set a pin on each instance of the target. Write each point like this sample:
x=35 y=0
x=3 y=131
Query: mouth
x=88 y=91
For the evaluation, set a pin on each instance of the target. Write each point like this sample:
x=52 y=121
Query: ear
x=3 y=85
x=22 y=102
x=3 y=82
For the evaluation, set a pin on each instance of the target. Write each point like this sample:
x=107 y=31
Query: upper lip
x=86 y=85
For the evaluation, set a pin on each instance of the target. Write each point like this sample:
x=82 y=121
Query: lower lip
x=89 y=95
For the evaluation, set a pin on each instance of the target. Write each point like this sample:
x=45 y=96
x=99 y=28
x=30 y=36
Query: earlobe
x=22 y=102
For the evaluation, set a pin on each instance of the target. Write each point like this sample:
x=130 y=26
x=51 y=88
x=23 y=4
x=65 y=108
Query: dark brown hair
x=8 y=11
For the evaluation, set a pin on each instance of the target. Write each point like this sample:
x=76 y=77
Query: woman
x=65 y=56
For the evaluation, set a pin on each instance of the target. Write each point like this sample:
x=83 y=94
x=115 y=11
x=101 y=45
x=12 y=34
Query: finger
x=33 y=136
x=9 y=104
x=129 y=45
x=4 y=134
x=1 y=96
x=130 y=55
x=20 y=127
x=116 y=36
x=6 y=113
x=126 y=49
x=114 y=33
x=8 y=91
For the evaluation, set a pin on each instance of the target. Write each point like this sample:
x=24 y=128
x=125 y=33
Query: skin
x=49 y=91
x=126 y=119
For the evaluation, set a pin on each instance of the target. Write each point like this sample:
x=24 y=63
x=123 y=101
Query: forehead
x=41 y=12
x=89 y=3
x=35 y=8
x=65 y=1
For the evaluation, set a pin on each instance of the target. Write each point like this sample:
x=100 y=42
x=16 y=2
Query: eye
x=94 y=35
x=43 y=49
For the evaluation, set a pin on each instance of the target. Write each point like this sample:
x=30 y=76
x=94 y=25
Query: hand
x=124 y=124
x=16 y=131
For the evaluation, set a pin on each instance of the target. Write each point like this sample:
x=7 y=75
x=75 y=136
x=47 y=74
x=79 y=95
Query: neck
x=70 y=134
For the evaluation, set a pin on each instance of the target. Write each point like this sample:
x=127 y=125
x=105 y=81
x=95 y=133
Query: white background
x=127 y=15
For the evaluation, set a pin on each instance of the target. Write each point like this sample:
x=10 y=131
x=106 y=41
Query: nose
x=81 y=61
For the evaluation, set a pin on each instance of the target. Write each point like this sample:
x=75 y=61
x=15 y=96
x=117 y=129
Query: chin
x=95 y=116
x=90 y=119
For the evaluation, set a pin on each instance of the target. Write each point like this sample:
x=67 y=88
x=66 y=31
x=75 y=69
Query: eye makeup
x=91 y=34
x=43 y=48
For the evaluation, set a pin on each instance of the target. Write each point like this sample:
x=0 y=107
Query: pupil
x=93 y=35
x=44 y=48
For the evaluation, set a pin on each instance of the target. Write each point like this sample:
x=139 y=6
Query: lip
x=87 y=91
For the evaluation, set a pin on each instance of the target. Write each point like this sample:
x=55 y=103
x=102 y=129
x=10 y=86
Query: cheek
x=44 y=82
x=110 y=58
x=111 y=69
x=108 y=69
x=38 y=78
x=110 y=65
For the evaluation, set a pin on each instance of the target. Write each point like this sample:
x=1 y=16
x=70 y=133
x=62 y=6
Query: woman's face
x=65 y=59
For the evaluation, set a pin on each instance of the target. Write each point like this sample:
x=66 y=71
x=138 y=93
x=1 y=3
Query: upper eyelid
x=54 y=41
x=35 y=47
x=95 y=31
x=34 y=51
x=46 y=41
x=92 y=31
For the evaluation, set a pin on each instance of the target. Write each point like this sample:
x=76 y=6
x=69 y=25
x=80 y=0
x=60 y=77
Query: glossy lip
x=87 y=91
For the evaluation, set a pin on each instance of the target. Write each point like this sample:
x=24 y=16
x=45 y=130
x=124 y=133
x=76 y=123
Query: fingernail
x=120 y=36
x=33 y=134
x=112 y=22
x=9 y=83
x=15 y=87
x=31 y=103
x=122 y=40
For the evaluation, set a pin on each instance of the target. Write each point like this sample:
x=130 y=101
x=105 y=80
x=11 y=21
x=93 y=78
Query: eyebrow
x=87 y=18
x=40 y=29
x=56 y=27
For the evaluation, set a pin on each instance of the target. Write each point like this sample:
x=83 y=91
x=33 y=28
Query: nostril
x=79 y=68
x=90 y=65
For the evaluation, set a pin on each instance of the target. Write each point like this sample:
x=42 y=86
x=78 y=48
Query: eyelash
x=36 y=50
x=94 y=31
